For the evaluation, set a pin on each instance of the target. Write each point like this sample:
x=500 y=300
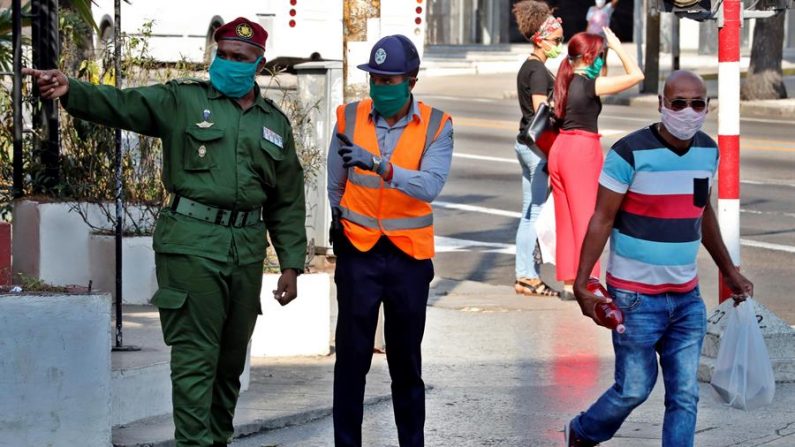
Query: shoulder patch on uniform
x=190 y=81
x=276 y=108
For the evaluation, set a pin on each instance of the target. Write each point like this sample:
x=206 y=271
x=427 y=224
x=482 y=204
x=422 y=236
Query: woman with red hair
x=575 y=159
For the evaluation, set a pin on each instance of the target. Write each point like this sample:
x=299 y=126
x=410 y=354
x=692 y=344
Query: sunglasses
x=680 y=104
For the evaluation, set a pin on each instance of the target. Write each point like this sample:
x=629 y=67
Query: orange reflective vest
x=371 y=207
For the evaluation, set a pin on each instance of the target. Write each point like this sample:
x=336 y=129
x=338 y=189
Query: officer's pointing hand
x=287 y=287
x=52 y=83
x=353 y=155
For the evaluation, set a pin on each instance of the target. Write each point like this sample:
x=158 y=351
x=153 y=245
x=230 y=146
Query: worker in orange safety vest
x=389 y=160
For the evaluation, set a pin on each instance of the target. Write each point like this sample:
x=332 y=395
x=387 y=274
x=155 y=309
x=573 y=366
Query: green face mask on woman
x=592 y=71
x=389 y=99
x=554 y=52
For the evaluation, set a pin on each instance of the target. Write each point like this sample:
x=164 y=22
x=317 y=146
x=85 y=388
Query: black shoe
x=573 y=439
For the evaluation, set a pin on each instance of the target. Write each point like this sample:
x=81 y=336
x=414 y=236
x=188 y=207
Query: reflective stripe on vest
x=406 y=223
x=368 y=181
x=350 y=119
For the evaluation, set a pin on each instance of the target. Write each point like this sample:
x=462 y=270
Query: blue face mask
x=592 y=71
x=233 y=79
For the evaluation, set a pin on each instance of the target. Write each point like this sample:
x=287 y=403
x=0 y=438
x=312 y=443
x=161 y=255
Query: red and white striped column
x=729 y=132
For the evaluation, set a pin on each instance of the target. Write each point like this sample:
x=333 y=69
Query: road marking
x=752 y=144
x=766 y=120
x=477 y=209
x=768 y=183
x=453 y=245
x=510 y=125
x=627 y=118
x=486 y=158
x=517 y=215
x=459 y=98
x=516 y=162
x=767 y=213
x=768 y=245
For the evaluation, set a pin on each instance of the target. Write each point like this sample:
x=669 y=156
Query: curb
x=251 y=428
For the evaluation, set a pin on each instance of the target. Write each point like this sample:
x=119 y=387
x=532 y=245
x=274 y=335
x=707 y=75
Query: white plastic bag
x=545 y=230
x=743 y=374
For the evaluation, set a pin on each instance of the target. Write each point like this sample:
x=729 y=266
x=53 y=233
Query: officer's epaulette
x=275 y=107
x=190 y=81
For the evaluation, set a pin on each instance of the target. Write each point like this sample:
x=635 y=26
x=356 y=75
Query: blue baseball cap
x=392 y=55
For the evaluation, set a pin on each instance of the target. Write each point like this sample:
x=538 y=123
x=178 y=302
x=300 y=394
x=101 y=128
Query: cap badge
x=244 y=30
x=380 y=56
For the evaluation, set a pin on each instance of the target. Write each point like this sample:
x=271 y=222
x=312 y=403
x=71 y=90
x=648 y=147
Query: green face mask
x=389 y=99
x=554 y=52
x=592 y=71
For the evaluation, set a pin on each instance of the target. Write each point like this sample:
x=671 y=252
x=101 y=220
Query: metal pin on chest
x=204 y=124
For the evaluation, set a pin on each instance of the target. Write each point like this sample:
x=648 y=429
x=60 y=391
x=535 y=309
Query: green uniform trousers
x=208 y=310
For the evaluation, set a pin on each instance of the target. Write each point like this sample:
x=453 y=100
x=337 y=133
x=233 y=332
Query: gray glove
x=353 y=155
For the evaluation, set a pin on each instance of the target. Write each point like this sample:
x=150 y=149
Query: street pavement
x=478 y=210
x=506 y=370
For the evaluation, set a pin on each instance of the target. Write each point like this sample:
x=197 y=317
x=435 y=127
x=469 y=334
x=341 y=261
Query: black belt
x=208 y=213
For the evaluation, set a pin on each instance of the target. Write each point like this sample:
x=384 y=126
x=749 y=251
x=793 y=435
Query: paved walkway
x=484 y=342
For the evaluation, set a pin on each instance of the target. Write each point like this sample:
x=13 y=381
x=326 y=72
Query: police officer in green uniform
x=230 y=165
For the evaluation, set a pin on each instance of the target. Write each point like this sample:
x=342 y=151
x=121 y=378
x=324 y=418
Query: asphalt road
x=478 y=209
x=525 y=372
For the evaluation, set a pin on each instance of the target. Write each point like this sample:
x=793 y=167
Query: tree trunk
x=652 y=82
x=764 y=80
x=355 y=14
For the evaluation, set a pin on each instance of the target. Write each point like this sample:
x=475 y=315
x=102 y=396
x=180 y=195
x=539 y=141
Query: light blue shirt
x=424 y=184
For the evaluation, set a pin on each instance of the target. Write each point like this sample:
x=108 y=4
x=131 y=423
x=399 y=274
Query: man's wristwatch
x=378 y=165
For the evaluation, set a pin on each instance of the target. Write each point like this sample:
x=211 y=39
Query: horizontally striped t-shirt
x=657 y=231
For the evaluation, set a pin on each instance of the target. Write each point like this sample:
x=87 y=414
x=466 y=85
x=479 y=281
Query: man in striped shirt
x=653 y=203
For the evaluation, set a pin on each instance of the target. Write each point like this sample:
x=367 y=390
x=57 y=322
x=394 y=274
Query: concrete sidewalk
x=293 y=391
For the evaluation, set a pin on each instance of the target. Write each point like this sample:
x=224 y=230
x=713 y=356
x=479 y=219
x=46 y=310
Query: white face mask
x=600 y=3
x=683 y=124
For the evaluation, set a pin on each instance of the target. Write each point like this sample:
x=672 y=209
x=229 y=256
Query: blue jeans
x=672 y=325
x=535 y=189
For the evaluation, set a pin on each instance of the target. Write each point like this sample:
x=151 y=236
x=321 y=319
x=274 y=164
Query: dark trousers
x=364 y=280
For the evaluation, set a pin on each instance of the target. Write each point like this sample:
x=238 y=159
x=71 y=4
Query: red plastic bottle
x=607 y=314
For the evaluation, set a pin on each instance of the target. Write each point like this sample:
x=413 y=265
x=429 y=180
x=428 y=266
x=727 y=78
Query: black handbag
x=543 y=130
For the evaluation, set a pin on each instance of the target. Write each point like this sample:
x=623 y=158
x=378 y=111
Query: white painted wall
x=139 y=282
x=302 y=328
x=51 y=242
x=55 y=370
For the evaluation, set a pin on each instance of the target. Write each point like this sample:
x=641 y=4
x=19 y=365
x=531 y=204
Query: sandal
x=536 y=287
